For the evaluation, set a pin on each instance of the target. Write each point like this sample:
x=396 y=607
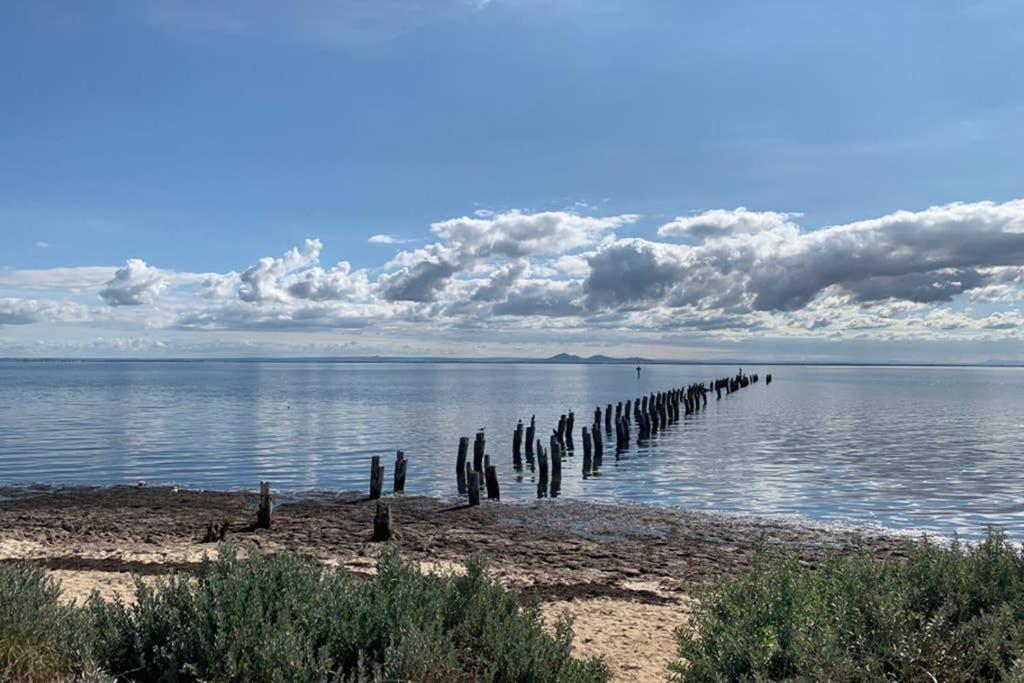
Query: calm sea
x=940 y=449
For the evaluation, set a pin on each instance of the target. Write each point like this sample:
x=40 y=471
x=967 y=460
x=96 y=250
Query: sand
x=627 y=573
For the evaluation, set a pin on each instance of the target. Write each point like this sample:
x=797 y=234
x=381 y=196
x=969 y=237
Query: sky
x=788 y=180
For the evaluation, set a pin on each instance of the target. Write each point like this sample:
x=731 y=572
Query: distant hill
x=594 y=360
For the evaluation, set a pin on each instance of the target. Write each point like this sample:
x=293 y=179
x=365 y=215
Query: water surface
x=938 y=449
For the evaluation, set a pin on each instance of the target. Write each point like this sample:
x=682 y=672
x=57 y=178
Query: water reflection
x=931 y=448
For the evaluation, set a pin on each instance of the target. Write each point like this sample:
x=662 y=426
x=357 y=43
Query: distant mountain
x=592 y=360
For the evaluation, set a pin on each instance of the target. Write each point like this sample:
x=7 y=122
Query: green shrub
x=41 y=639
x=940 y=614
x=281 y=618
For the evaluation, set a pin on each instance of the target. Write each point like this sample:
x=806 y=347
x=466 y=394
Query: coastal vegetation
x=948 y=614
x=285 y=618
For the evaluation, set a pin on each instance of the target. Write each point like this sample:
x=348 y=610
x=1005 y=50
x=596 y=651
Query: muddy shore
x=626 y=571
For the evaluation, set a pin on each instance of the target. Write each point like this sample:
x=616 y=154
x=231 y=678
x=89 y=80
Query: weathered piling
x=627 y=412
x=768 y=378
x=400 y=467
x=530 y=432
x=382 y=529
x=542 y=467
x=460 y=464
x=569 y=424
x=587 y=451
x=491 y=477
x=376 y=477
x=473 y=486
x=478 y=452
x=517 y=446
x=263 y=512
x=598 y=440
x=608 y=418
x=556 y=456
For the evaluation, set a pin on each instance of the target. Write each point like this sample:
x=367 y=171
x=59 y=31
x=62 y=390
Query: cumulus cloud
x=134 y=284
x=424 y=273
x=927 y=257
x=722 y=223
x=295 y=275
x=738 y=273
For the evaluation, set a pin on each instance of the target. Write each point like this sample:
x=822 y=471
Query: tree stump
x=382 y=528
x=266 y=506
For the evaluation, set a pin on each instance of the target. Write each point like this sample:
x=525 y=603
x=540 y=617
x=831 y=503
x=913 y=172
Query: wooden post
x=569 y=423
x=586 y=451
x=376 y=477
x=542 y=466
x=556 y=456
x=478 y=452
x=474 y=488
x=460 y=464
x=493 y=492
x=608 y=418
x=598 y=441
x=400 y=464
x=517 y=446
x=266 y=506
x=530 y=432
x=382 y=530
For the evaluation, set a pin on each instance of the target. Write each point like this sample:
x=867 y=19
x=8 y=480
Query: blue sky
x=201 y=137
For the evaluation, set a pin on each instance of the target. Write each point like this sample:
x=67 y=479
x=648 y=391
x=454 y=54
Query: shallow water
x=938 y=449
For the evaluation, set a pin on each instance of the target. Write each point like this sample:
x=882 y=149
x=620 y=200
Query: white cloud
x=29 y=311
x=741 y=275
x=723 y=223
x=296 y=276
x=134 y=284
x=386 y=239
x=42 y=245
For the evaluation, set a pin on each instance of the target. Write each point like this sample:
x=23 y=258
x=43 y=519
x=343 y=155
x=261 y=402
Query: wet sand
x=627 y=572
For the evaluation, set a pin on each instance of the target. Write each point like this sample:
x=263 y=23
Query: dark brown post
x=460 y=464
x=491 y=475
x=517 y=446
x=382 y=530
x=586 y=451
x=474 y=488
x=265 y=508
x=478 y=452
x=400 y=464
x=530 y=432
x=376 y=477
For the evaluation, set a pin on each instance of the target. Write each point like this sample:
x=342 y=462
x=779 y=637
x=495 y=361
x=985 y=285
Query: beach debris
x=215 y=532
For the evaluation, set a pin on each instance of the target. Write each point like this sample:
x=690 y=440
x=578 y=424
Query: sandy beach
x=628 y=573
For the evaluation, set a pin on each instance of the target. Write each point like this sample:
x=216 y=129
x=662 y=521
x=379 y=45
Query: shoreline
x=627 y=571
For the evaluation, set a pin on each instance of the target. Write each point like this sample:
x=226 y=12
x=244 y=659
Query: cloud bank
x=950 y=272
